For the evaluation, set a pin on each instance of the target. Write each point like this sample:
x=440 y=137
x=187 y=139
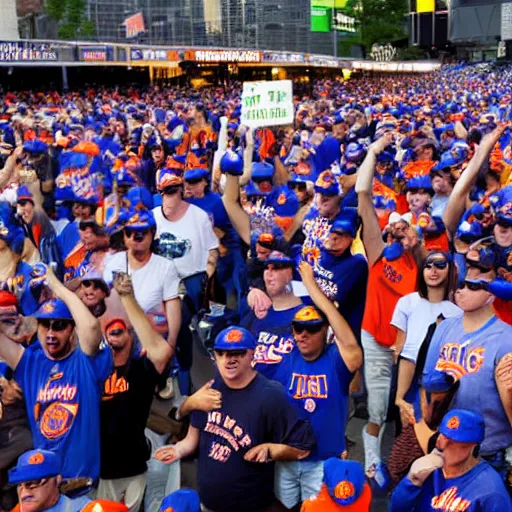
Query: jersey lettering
x=308 y=386
x=448 y=501
x=458 y=359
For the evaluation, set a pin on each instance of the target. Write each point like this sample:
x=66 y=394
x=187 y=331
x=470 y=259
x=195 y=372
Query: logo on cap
x=37 y=458
x=344 y=490
x=325 y=180
x=169 y=509
x=307 y=313
x=453 y=423
x=234 y=336
x=49 y=307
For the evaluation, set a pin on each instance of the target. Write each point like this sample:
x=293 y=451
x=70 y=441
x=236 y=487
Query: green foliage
x=380 y=21
x=71 y=17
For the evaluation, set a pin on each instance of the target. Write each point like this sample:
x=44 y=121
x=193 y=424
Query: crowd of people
x=357 y=262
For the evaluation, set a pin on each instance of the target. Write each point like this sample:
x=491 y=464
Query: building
x=8 y=21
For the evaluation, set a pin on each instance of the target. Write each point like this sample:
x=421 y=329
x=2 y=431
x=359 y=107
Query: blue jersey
x=319 y=390
x=63 y=405
x=478 y=490
x=274 y=336
x=473 y=357
x=343 y=280
x=28 y=303
x=68 y=239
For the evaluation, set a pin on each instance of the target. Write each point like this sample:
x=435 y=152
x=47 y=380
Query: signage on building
x=283 y=57
x=26 y=51
x=343 y=23
x=94 y=54
x=326 y=62
x=267 y=103
x=227 y=56
x=382 y=52
x=148 y=54
x=134 y=25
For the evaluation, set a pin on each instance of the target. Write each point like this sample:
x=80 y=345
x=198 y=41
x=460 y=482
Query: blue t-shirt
x=343 y=279
x=473 y=357
x=28 y=303
x=257 y=414
x=274 y=336
x=63 y=405
x=478 y=490
x=319 y=390
x=212 y=204
x=68 y=239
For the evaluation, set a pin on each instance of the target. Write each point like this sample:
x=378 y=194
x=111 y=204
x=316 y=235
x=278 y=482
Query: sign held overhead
x=267 y=103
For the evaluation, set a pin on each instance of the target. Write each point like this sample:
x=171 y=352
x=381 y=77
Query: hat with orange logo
x=345 y=480
x=463 y=426
x=34 y=465
x=234 y=338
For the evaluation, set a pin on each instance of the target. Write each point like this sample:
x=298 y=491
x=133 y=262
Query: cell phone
x=118 y=273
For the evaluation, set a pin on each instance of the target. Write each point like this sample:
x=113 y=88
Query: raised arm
x=346 y=342
x=281 y=175
x=372 y=235
x=457 y=202
x=87 y=327
x=248 y=154
x=158 y=350
x=237 y=215
x=10 y=165
x=10 y=351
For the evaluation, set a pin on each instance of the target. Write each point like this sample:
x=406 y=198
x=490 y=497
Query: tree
x=380 y=21
x=73 y=24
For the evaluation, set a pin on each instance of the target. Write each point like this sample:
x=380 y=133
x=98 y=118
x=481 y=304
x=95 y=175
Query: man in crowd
x=240 y=440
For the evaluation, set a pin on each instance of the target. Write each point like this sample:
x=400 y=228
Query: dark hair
x=451 y=281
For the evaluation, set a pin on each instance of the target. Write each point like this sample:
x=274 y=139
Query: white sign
x=382 y=52
x=506 y=21
x=267 y=103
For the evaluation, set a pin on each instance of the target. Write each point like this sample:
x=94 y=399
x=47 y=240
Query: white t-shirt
x=414 y=315
x=193 y=238
x=153 y=284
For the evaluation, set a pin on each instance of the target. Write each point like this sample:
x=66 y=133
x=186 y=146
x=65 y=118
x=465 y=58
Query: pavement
x=203 y=370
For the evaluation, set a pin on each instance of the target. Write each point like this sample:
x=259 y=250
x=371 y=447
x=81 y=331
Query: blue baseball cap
x=53 y=308
x=436 y=381
x=24 y=194
x=346 y=222
x=183 y=500
x=463 y=426
x=262 y=171
x=168 y=178
x=326 y=184
x=235 y=338
x=195 y=174
x=279 y=258
x=344 y=479
x=35 y=464
x=35 y=147
x=140 y=218
x=287 y=203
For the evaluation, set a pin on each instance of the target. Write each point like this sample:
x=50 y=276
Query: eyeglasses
x=231 y=353
x=54 y=325
x=309 y=328
x=194 y=181
x=474 y=287
x=170 y=191
x=137 y=234
x=32 y=484
x=439 y=264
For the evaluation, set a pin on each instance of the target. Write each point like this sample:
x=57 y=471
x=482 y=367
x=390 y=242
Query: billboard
x=327 y=15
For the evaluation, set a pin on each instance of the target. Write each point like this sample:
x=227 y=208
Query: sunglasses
x=194 y=181
x=262 y=180
x=309 y=328
x=440 y=265
x=32 y=484
x=54 y=325
x=170 y=191
x=87 y=283
x=297 y=186
x=116 y=332
x=231 y=353
x=474 y=287
x=137 y=234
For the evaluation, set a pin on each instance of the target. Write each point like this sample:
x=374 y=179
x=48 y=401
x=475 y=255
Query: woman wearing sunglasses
x=413 y=315
x=317 y=375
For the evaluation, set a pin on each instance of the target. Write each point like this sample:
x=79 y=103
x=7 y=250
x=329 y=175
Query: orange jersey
x=324 y=503
x=503 y=310
x=387 y=282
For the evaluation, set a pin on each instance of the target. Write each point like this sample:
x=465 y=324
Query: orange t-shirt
x=324 y=503
x=387 y=282
x=503 y=310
